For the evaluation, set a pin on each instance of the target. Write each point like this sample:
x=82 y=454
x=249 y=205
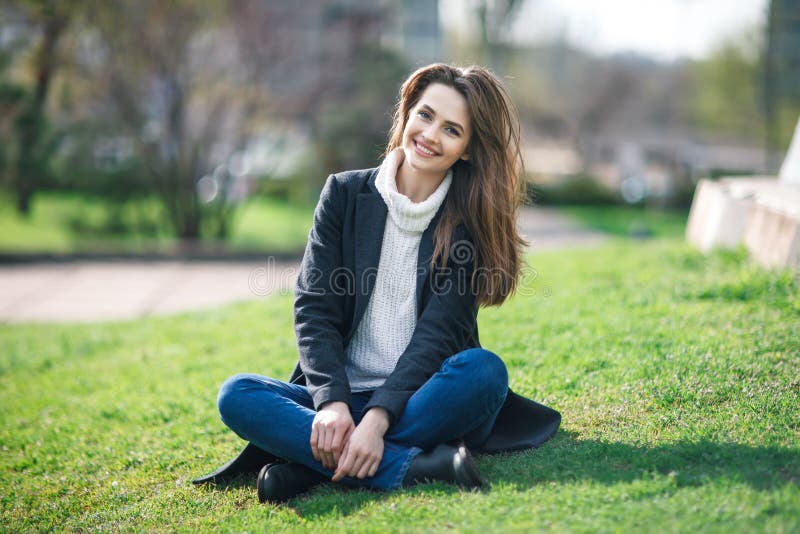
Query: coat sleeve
x=443 y=329
x=318 y=307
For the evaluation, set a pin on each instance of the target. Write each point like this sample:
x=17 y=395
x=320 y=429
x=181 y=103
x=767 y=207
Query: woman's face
x=437 y=132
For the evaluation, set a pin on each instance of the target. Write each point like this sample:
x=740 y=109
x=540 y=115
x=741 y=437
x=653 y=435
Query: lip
x=417 y=144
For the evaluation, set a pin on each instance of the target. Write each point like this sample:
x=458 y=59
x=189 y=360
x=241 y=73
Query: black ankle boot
x=278 y=483
x=447 y=463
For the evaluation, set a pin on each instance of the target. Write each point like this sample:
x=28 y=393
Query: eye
x=452 y=131
x=424 y=114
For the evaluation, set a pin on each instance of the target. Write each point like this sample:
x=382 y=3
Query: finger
x=329 y=457
x=337 y=476
x=350 y=429
x=336 y=445
x=313 y=441
x=349 y=463
x=345 y=458
x=345 y=444
x=328 y=445
x=358 y=465
x=344 y=465
x=344 y=435
x=331 y=462
x=330 y=436
x=327 y=461
x=324 y=455
x=347 y=435
x=320 y=443
x=364 y=470
x=339 y=458
x=374 y=468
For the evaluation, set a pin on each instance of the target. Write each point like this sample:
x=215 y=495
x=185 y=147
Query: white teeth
x=425 y=150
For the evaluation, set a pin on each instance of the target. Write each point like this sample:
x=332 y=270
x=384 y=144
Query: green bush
x=579 y=189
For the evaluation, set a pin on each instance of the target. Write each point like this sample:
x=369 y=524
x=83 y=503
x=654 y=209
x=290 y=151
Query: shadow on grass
x=569 y=459
x=339 y=500
x=333 y=499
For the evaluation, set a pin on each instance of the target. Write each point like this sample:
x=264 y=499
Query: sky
x=663 y=29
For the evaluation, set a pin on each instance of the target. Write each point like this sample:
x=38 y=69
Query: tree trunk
x=31 y=161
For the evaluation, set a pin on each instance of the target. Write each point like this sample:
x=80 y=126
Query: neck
x=414 y=185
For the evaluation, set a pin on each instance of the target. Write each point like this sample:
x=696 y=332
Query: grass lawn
x=678 y=377
x=70 y=223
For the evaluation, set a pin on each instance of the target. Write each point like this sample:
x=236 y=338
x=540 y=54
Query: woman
x=392 y=387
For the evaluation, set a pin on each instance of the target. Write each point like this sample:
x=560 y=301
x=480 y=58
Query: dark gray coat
x=336 y=280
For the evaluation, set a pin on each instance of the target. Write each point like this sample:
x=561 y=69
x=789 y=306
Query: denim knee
x=229 y=397
x=486 y=368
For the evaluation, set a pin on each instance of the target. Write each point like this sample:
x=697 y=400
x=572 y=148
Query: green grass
x=268 y=224
x=631 y=221
x=71 y=223
x=678 y=377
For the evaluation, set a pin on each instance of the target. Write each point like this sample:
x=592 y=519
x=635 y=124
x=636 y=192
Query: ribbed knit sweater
x=390 y=318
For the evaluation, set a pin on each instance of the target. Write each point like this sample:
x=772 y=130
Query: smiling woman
x=392 y=387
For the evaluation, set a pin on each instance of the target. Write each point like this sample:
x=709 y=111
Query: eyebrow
x=426 y=107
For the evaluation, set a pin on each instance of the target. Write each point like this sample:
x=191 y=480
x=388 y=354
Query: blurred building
x=660 y=166
x=313 y=58
x=309 y=48
x=655 y=166
x=413 y=29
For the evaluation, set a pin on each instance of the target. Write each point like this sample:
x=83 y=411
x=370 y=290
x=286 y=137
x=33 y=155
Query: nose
x=431 y=133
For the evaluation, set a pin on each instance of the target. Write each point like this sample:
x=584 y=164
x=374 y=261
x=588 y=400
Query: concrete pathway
x=110 y=290
x=549 y=229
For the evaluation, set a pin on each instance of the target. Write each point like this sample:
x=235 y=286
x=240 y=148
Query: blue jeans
x=461 y=400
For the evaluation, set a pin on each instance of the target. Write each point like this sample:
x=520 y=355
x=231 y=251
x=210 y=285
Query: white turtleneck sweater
x=391 y=316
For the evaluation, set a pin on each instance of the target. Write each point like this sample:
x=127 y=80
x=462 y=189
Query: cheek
x=457 y=148
x=411 y=127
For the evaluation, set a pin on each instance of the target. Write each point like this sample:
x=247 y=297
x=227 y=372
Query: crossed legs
x=461 y=400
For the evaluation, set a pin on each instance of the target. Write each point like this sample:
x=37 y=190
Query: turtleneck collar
x=406 y=214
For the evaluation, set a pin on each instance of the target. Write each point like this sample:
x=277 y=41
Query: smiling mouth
x=425 y=151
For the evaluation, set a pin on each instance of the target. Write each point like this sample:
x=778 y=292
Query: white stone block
x=773 y=234
x=790 y=170
x=721 y=210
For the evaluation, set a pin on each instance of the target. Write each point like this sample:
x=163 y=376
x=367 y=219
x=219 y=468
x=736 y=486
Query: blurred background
x=150 y=127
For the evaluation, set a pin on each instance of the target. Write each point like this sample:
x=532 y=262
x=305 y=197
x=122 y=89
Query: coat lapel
x=371 y=215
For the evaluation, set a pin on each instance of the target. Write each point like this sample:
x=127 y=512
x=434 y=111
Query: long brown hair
x=487 y=189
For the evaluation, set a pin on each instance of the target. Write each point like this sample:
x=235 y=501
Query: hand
x=330 y=430
x=364 y=450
